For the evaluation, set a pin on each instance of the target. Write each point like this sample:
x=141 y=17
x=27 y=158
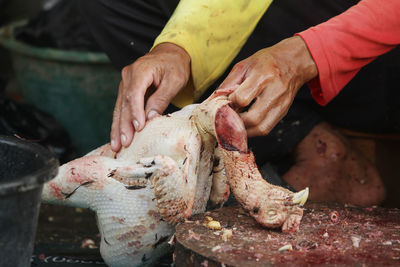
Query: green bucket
x=78 y=88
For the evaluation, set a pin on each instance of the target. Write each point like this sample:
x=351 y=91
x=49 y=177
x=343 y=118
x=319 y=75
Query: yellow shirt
x=212 y=32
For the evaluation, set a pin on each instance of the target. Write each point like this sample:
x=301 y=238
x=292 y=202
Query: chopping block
x=329 y=235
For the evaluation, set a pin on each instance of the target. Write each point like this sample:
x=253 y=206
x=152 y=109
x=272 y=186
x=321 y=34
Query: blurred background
x=57 y=87
x=14 y=11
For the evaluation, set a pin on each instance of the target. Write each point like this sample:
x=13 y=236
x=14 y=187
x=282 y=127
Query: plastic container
x=78 y=88
x=24 y=168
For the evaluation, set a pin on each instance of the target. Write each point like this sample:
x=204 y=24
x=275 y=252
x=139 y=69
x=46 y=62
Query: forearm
x=212 y=32
x=341 y=46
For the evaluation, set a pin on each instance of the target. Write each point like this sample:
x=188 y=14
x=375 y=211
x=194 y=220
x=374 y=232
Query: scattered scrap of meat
x=88 y=243
x=214 y=225
x=361 y=238
x=226 y=234
x=356 y=241
x=286 y=247
x=334 y=216
x=193 y=235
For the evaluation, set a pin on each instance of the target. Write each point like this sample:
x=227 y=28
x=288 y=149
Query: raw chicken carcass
x=165 y=176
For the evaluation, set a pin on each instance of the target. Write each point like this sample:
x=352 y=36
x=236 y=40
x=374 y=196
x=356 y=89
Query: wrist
x=171 y=48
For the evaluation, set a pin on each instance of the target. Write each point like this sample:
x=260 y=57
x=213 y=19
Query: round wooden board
x=329 y=235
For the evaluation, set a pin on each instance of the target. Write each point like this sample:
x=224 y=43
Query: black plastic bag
x=27 y=122
x=62 y=27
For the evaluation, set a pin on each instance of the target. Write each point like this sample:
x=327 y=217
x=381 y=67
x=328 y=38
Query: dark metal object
x=329 y=235
x=24 y=167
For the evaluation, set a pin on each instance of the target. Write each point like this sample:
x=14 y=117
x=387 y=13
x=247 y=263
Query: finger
x=265 y=101
x=115 y=134
x=224 y=91
x=162 y=97
x=135 y=90
x=269 y=122
x=126 y=124
x=235 y=76
x=247 y=91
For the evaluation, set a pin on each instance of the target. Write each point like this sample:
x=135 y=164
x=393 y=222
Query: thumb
x=234 y=79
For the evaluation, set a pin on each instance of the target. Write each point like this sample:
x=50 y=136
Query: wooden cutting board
x=329 y=235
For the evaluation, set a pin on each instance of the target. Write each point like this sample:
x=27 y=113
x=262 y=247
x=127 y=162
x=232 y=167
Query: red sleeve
x=344 y=44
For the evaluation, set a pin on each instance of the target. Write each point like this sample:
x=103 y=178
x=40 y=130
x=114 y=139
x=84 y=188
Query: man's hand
x=147 y=87
x=269 y=81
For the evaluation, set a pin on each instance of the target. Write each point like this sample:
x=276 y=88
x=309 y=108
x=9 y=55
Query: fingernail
x=123 y=139
x=136 y=125
x=113 y=144
x=151 y=114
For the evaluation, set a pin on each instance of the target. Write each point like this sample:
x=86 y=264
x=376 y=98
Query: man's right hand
x=267 y=83
x=147 y=88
